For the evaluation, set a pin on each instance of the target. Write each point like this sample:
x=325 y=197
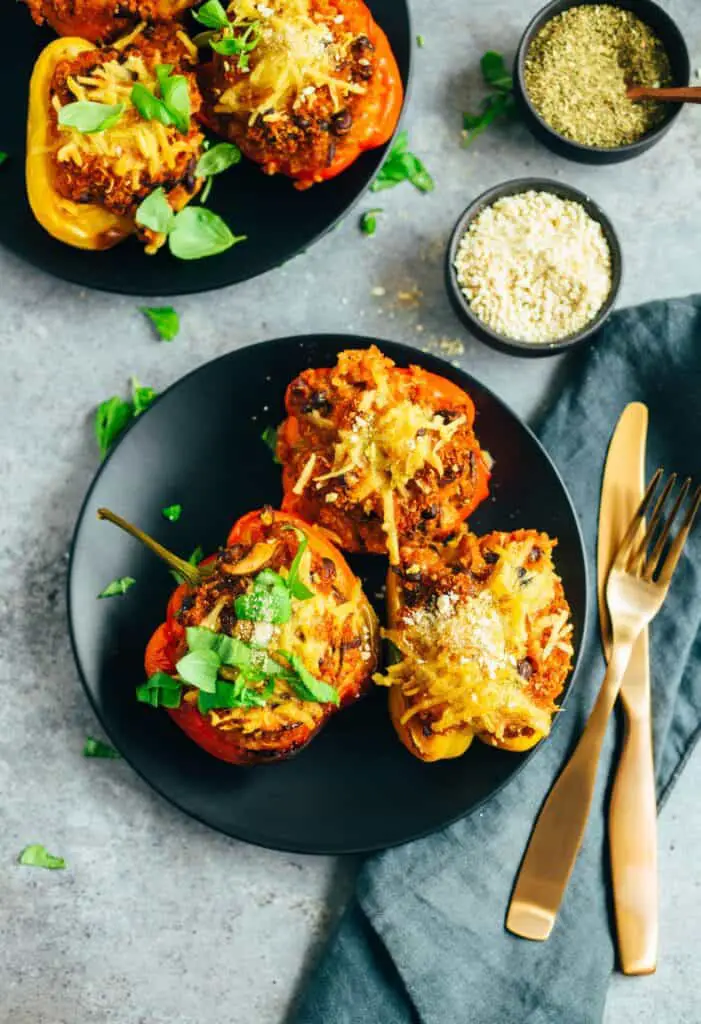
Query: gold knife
x=633 y=811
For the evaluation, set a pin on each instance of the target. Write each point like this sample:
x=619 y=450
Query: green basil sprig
x=89 y=117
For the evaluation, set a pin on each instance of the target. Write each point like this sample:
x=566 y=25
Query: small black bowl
x=673 y=41
x=461 y=304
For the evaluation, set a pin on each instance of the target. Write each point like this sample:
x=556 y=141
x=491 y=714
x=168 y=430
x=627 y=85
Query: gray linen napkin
x=423 y=938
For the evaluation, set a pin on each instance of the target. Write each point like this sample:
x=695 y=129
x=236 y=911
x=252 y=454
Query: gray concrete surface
x=157 y=920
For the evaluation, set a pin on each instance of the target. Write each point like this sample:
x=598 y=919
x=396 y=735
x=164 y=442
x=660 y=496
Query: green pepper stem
x=192 y=574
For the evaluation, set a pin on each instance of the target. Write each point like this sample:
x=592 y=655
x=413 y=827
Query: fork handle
x=633 y=841
x=559 y=830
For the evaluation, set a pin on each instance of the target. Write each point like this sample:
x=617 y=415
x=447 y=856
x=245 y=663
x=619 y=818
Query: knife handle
x=633 y=845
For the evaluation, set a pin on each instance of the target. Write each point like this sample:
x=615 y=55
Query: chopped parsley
x=165 y=320
x=118 y=587
x=37 y=856
x=402 y=165
x=499 y=103
x=98 y=748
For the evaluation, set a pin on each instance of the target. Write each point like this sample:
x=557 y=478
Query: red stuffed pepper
x=275 y=638
x=302 y=86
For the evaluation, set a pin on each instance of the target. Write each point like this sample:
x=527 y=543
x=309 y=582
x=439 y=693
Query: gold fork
x=636 y=589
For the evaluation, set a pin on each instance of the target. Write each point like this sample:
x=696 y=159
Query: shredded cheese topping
x=297 y=53
x=134 y=148
x=460 y=656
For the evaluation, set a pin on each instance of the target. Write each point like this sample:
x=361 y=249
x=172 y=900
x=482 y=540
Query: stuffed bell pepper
x=102 y=20
x=375 y=453
x=267 y=640
x=481 y=634
x=113 y=144
x=302 y=86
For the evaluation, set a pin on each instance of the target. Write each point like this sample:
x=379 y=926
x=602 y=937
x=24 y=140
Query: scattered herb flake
x=307 y=686
x=420 y=41
x=3 y=156
x=160 y=690
x=112 y=417
x=142 y=396
x=212 y=15
x=37 y=856
x=172 y=513
x=164 y=319
x=117 y=587
x=368 y=222
x=498 y=104
x=98 y=748
x=269 y=437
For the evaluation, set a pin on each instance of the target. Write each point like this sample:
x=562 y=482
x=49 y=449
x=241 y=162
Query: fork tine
x=674 y=553
x=632 y=531
x=636 y=558
x=651 y=563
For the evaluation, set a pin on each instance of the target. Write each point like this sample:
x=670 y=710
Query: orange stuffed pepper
x=277 y=636
x=302 y=86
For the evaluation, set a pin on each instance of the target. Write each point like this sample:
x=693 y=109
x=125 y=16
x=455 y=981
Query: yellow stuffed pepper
x=101 y=139
x=481 y=637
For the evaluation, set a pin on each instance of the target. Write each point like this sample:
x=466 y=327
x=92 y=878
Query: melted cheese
x=460 y=656
x=295 y=55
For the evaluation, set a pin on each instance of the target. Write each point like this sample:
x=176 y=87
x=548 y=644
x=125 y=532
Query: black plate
x=355 y=788
x=278 y=221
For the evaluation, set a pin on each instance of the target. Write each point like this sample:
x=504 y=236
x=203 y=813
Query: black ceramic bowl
x=673 y=41
x=462 y=305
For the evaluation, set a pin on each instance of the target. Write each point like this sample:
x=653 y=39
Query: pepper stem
x=191 y=574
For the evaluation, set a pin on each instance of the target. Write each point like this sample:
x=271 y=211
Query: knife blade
x=632 y=812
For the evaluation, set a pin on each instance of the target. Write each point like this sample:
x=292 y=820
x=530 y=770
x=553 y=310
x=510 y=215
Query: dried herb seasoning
x=578 y=69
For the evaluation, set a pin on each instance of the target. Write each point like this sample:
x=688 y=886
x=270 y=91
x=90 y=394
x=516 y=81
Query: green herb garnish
x=368 y=222
x=267 y=601
x=212 y=15
x=293 y=582
x=141 y=396
x=176 y=96
x=401 y=165
x=98 y=748
x=164 y=319
x=199 y=668
x=149 y=106
x=197 y=232
x=3 y=157
x=37 y=856
x=230 y=695
x=498 y=104
x=307 y=686
x=269 y=437
x=118 y=587
x=88 y=117
x=217 y=159
x=172 y=513
x=231 y=45
x=161 y=690
x=112 y=417
x=204 y=194
x=155 y=212
x=420 y=41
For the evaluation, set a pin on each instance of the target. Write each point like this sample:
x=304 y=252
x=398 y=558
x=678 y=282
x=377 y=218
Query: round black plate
x=279 y=221
x=355 y=788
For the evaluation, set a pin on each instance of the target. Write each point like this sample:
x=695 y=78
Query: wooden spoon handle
x=685 y=94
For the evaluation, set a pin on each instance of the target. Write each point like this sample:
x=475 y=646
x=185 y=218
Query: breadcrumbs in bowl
x=533 y=267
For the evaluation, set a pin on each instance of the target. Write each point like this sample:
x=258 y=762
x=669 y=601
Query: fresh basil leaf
x=172 y=513
x=164 y=319
x=117 y=587
x=204 y=194
x=199 y=668
x=230 y=695
x=98 y=748
x=197 y=232
x=268 y=601
x=88 y=117
x=3 y=157
x=420 y=42
x=212 y=15
x=155 y=212
x=201 y=639
x=112 y=417
x=307 y=686
x=269 y=437
x=176 y=96
x=235 y=652
x=294 y=584
x=217 y=159
x=494 y=71
x=242 y=45
x=368 y=222
x=402 y=165
x=37 y=856
x=160 y=690
x=150 y=107
x=142 y=396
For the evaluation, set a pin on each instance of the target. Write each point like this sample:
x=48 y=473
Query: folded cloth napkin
x=423 y=938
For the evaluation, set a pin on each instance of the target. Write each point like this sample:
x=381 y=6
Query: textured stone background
x=159 y=921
